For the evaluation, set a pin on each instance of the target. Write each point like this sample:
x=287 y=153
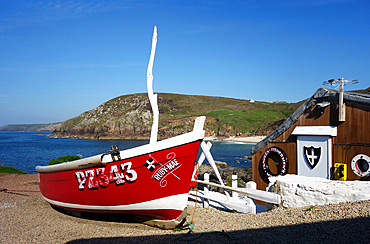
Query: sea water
x=25 y=150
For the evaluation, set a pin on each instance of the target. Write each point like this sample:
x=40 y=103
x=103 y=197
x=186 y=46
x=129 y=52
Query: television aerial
x=339 y=83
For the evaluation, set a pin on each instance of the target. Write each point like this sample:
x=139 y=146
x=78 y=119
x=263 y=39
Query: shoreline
x=249 y=139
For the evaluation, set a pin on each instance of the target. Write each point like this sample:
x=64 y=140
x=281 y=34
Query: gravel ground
x=27 y=218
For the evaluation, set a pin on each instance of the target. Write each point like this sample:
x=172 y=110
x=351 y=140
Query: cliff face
x=130 y=117
x=126 y=117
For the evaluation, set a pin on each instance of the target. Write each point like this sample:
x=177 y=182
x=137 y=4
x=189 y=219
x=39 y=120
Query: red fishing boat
x=151 y=181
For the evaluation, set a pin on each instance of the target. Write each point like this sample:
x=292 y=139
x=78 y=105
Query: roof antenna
x=341 y=82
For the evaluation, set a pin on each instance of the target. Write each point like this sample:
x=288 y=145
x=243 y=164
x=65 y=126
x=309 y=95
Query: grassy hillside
x=129 y=116
x=229 y=115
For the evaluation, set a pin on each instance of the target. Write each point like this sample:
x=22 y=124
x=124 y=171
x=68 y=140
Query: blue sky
x=61 y=58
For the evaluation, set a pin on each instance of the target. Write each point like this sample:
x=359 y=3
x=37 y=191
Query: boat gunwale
x=101 y=159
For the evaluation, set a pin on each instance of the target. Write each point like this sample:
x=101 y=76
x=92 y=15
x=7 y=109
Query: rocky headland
x=130 y=117
x=31 y=127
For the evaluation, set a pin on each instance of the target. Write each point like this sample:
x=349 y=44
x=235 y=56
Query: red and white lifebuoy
x=283 y=161
x=360 y=165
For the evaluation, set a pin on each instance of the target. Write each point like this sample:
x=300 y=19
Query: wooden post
x=342 y=106
x=251 y=185
x=206 y=191
x=234 y=184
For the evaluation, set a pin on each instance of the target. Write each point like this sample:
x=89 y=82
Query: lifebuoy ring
x=360 y=165
x=282 y=165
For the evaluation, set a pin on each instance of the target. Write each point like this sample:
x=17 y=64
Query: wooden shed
x=313 y=142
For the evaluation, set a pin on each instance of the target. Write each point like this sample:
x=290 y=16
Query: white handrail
x=151 y=95
x=265 y=196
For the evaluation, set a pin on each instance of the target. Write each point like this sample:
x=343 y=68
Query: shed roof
x=321 y=93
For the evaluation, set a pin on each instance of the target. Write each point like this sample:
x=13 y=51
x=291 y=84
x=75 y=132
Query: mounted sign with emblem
x=312 y=155
x=314 y=150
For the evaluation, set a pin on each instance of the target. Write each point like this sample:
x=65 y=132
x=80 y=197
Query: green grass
x=229 y=115
x=64 y=159
x=245 y=121
x=10 y=170
x=309 y=208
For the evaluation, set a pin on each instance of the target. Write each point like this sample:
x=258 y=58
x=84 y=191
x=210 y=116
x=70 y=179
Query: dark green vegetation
x=224 y=115
x=130 y=117
x=10 y=170
x=64 y=159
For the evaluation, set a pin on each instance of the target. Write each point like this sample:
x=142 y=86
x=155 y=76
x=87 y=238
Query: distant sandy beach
x=249 y=139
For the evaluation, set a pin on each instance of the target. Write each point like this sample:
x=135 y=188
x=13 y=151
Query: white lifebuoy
x=283 y=158
x=360 y=165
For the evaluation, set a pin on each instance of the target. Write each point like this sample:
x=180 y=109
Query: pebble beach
x=27 y=218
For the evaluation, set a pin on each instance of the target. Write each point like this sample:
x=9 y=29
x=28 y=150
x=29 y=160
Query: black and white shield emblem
x=312 y=155
x=151 y=164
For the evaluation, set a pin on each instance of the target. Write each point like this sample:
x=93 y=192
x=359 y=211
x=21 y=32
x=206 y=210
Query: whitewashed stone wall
x=301 y=191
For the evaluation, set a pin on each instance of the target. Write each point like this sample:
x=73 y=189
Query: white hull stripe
x=176 y=202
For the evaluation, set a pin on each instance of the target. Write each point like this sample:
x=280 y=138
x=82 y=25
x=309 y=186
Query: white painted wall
x=302 y=191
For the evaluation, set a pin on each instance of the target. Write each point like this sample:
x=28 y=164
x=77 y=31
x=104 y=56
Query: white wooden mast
x=151 y=95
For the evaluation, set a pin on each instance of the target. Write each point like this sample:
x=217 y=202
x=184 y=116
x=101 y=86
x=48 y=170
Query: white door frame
x=318 y=140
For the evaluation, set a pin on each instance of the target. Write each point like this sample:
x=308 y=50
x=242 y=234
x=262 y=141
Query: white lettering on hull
x=166 y=169
x=96 y=178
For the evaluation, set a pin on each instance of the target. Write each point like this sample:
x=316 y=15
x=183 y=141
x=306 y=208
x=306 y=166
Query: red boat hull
x=153 y=185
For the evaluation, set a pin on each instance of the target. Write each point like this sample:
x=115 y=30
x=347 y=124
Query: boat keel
x=168 y=224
